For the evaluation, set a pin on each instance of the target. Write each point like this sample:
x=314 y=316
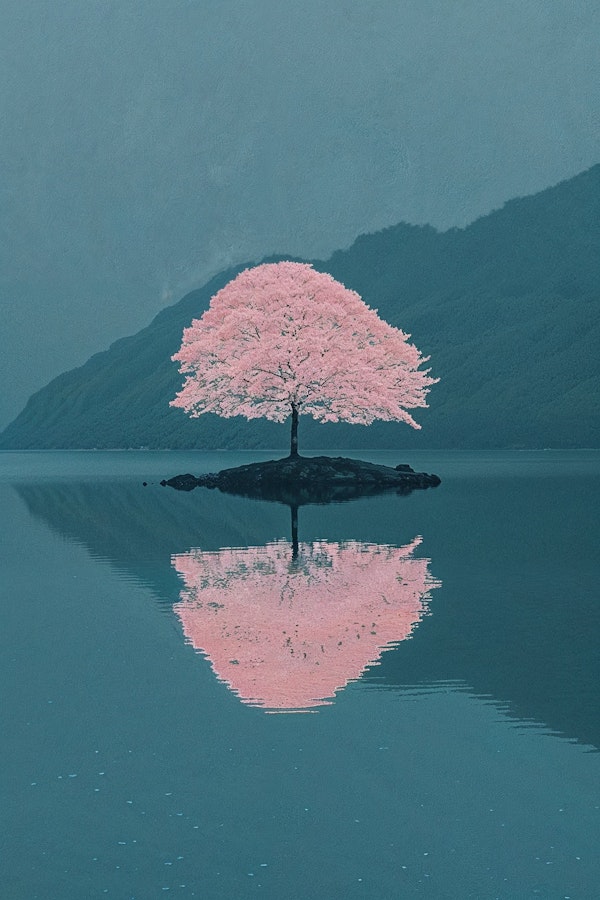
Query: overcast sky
x=146 y=144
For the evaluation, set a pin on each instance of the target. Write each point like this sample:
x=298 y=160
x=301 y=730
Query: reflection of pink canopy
x=287 y=633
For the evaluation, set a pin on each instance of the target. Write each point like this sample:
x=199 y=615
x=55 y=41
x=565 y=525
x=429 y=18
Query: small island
x=297 y=480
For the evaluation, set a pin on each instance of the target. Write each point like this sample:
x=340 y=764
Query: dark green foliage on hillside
x=508 y=309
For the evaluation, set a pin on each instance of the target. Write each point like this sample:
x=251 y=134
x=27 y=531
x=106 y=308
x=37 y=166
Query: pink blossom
x=282 y=337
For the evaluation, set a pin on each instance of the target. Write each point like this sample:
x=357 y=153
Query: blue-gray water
x=462 y=766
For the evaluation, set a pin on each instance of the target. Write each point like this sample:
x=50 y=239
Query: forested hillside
x=508 y=310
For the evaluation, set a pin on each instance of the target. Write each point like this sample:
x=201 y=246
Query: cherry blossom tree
x=283 y=340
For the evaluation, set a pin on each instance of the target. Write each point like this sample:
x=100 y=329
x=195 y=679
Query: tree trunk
x=294 y=512
x=294 y=436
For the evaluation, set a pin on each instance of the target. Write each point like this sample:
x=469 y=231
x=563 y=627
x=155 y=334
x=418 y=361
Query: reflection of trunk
x=294 y=437
x=294 y=512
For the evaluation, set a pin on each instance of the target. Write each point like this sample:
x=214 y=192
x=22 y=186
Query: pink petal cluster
x=286 y=633
x=282 y=335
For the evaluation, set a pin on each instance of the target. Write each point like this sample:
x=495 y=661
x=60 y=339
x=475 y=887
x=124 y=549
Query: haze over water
x=461 y=763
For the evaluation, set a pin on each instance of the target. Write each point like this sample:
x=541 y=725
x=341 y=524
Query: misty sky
x=146 y=144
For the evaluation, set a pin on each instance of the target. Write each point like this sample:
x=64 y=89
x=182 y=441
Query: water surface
x=446 y=745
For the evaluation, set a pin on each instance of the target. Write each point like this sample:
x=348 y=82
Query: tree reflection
x=286 y=626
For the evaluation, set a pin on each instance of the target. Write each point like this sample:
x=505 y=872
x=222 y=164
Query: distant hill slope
x=508 y=309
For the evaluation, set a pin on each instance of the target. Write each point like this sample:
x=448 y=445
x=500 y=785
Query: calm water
x=432 y=661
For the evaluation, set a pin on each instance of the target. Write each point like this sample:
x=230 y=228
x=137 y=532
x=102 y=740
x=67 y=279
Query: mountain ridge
x=507 y=309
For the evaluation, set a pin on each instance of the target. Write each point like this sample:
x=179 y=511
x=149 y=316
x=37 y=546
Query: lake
x=403 y=705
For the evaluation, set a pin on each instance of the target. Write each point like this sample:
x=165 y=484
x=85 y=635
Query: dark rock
x=299 y=480
x=182 y=482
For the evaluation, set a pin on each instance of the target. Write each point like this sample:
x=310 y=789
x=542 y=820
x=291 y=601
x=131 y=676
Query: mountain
x=507 y=308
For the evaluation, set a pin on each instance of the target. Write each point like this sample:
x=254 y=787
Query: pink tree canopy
x=282 y=339
x=286 y=633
